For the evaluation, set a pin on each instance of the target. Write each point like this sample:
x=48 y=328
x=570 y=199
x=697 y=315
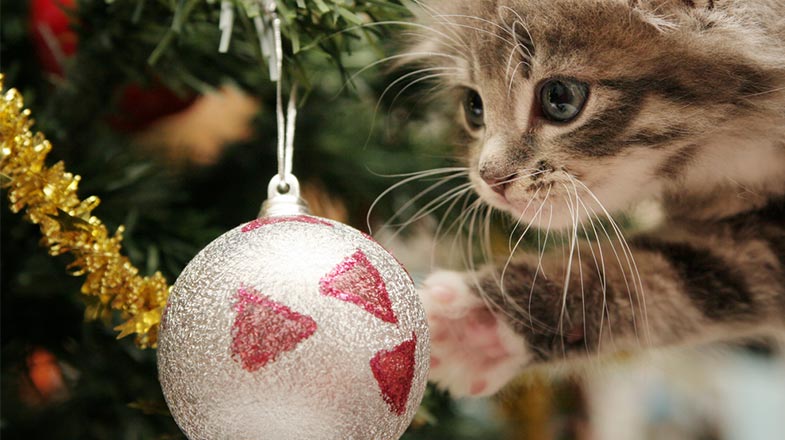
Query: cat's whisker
x=426 y=209
x=522 y=22
x=632 y=266
x=576 y=215
x=391 y=58
x=474 y=17
x=452 y=46
x=637 y=279
x=477 y=29
x=765 y=92
x=522 y=50
x=488 y=253
x=465 y=232
x=416 y=81
x=509 y=63
x=527 y=55
x=485 y=241
x=470 y=249
x=519 y=19
x=437 y=234
x=618 y=262
x=404 y=77
x=461 y=221
x=514 y=177
x=600 y=271
x=457 y=40
x=518 y=222
x=506 y=266
x=568 y=269
x=618 y=259
x=445 y=73
x=433 y=12
x=412 y=177
x=512 y=77
x=409 y=75
x=430 y=207
x=539 y=268
x=422 y=173
x=469 y=261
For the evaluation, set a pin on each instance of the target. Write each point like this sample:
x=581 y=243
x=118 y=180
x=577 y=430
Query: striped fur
x=686 y=107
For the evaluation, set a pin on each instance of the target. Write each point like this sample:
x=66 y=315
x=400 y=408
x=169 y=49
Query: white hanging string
x=285 y=122
x=291 y=115
x=225 y=24
x=268 y=29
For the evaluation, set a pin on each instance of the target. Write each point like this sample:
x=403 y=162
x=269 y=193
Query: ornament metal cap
x=283 y=198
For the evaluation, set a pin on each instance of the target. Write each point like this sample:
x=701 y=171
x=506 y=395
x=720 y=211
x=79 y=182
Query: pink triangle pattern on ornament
x=264 y=221
x=394 y=371
x=263 y=329
x=355 y=280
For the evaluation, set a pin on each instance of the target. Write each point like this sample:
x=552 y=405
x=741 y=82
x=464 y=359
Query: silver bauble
x=293 y=327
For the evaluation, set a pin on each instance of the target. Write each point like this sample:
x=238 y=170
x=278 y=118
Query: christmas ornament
x=48 y=197
x=293 y=326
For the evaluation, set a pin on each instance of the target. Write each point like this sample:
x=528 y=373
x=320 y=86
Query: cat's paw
x=473 y=353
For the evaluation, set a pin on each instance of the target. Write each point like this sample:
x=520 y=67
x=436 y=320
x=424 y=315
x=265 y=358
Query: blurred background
x=178 y=141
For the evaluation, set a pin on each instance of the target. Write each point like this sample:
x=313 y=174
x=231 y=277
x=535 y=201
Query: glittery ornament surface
x=336 y=369
x=355 y=280
x=264 y=221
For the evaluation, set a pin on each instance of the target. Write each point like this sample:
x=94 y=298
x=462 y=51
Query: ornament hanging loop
x=283 y=191
x=286 y=202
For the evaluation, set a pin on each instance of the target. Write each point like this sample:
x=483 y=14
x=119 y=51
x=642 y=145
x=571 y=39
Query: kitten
x=578 y=109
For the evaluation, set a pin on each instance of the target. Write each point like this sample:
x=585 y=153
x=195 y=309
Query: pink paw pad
x=478 y=387
x=474 y=353
x=443 y=295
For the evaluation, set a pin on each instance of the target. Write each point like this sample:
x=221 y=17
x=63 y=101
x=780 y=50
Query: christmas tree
x=178 y=141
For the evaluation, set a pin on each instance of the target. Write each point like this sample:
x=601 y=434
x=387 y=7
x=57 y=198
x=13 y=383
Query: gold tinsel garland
x=48 y=197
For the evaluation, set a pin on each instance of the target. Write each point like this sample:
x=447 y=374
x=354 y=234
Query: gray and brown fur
x=686 y=107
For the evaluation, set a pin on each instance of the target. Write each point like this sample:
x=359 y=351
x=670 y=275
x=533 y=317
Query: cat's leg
x=671 y=293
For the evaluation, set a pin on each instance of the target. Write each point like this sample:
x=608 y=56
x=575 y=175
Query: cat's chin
x=555 y=213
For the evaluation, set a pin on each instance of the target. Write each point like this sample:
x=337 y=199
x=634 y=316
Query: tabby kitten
x=578 y=109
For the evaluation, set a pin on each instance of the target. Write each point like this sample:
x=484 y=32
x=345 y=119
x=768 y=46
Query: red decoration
x=356 y=281
x=394 y=371
x=264 y=221
x=53 y=37
x=140 y=106
x=263 y=329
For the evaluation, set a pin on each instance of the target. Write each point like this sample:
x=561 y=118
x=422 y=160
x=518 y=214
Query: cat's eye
x=562 y=100
x=472 y=109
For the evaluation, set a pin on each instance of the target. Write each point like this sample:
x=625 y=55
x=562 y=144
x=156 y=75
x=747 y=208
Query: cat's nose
x=498 y=184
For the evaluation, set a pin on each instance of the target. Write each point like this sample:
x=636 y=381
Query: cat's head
x=562 y=96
